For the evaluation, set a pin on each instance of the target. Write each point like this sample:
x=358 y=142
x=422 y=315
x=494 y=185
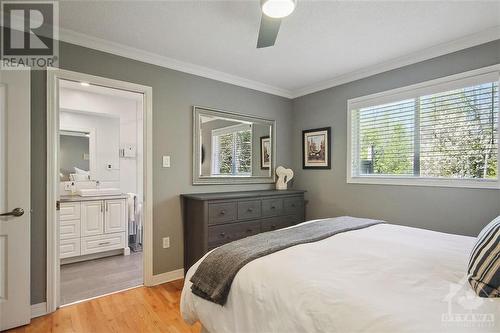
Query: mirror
x=231 y=148
x=74 y=155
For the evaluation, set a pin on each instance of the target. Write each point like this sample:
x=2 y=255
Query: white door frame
x=53 y=77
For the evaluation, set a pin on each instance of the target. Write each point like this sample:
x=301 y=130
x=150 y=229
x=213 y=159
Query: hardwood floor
x=153 y=309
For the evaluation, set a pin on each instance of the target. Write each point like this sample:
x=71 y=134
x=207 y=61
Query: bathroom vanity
x=92 y=225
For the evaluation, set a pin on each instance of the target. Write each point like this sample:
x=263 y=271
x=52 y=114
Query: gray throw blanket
x=215 y=274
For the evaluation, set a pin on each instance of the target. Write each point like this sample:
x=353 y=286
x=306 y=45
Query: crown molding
x=481 y=37
x=103 y=45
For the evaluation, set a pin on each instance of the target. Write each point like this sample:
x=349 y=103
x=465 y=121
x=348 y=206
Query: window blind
x=447 y=134
x=232 y=150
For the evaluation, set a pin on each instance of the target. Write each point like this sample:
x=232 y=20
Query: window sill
x=407 y=181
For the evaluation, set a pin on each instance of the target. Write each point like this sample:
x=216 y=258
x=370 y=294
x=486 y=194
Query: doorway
x=99 y=187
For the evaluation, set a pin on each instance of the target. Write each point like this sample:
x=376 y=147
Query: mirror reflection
x=75 y=155
x=233 y=146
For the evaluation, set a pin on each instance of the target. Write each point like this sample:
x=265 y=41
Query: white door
x=15 y=309
x=92 y=218
x=116 y=216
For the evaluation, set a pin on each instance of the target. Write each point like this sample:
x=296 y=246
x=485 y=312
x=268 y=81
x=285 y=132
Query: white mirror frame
x=199 y=111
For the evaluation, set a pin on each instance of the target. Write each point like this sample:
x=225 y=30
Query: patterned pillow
x=484 y=262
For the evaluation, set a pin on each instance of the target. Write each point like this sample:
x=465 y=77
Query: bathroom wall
x=107 y=141
x=127 y=175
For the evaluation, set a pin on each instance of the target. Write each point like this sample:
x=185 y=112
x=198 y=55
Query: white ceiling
x=322 y=43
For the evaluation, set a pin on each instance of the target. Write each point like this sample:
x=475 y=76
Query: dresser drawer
x=275 y=223
x=69 y=211
x=248 y=209
x=293 y=205
x=69 y=248
x=228 y=233
x=69 y=229
x=272 y=207
x=93 y=244
x=221 y=212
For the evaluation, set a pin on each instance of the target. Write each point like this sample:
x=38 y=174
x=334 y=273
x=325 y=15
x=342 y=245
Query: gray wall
x=174 y=94
x=453 y=210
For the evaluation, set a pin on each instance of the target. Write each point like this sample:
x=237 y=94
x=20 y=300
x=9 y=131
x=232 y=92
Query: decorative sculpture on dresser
x=284 y=176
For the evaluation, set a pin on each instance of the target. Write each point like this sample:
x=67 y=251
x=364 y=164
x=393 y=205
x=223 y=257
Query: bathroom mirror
x=74 y=155
x=231 y=148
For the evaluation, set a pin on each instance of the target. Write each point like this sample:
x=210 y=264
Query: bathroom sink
x=90 y=192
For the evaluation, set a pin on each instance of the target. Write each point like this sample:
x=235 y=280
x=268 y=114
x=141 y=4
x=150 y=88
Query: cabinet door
x=92 y=218
x=116 y=216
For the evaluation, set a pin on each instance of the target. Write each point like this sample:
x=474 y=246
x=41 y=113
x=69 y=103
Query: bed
x=384 y=278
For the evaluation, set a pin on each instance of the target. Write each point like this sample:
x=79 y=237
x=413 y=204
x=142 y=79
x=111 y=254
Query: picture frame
x=316 y=148
x=265 y=152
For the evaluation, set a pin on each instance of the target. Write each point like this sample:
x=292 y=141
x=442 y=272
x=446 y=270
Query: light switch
x=166 y=161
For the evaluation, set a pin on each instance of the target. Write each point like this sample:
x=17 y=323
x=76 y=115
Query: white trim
x=103 y=45
x=452 y=81
x=481 y=37
x=53 y=76
x=178 y=65
x=167 y=277
x=38 y=310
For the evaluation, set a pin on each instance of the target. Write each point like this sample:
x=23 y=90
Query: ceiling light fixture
x=85 y=84
x=278 y=8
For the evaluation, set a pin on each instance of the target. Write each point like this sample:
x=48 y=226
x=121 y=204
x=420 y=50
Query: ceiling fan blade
x=268 y=31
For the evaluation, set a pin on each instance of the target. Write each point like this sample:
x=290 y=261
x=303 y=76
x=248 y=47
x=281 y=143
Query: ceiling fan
x=272 y=13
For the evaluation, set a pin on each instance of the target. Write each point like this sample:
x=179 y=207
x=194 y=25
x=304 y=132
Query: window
x=444 y=132
x=232 y=150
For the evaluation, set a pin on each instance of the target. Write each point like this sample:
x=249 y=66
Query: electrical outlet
x=166 y=242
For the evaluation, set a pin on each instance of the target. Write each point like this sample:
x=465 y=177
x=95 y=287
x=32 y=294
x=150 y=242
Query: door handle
x=15 y=212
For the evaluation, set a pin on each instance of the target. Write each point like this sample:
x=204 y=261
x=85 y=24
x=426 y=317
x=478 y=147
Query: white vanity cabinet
x=92 y=226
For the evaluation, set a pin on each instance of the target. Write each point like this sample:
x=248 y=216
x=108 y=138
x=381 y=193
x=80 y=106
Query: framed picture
x=316 y=148
x=265 y=152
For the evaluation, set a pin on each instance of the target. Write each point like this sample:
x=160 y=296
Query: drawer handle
x=223 y=234
x=223 y=212
x=250 y=210
x=273 y=207
x=104 y=243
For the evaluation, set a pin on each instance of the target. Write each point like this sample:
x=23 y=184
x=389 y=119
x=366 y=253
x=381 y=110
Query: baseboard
x=167 y=277
x=38 y=310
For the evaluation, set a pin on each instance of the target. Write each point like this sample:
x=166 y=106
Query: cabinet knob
x=249 y=230
x=222 y=234
x=273 y=207
x=222 y=212
x=250 y=210
x=293 y=205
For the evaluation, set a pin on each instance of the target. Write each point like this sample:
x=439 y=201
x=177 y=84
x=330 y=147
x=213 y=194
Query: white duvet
x=384 y=278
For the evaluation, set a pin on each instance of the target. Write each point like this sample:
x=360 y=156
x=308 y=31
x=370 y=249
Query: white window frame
x=420 y=89
x=230 y=130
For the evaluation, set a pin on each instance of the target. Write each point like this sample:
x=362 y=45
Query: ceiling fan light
x=278 y=8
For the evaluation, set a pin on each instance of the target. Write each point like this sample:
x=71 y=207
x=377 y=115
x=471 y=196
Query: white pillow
x=81 y=172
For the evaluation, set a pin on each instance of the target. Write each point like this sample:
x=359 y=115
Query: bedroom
x=322 y=78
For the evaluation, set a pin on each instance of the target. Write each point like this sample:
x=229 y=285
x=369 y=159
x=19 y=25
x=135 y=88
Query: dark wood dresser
x=214 y=219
